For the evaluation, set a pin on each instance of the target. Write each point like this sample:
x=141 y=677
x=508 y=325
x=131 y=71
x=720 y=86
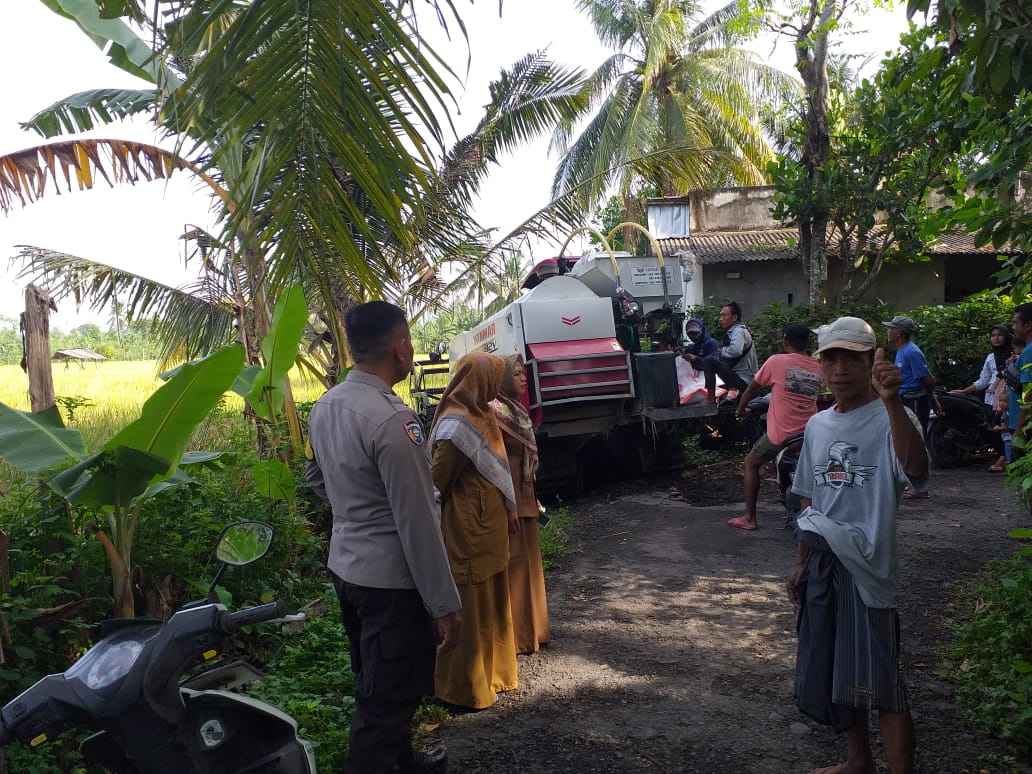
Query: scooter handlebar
x=231 y=622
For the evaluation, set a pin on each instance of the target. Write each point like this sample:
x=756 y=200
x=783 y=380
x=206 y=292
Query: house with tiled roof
x=730 y=247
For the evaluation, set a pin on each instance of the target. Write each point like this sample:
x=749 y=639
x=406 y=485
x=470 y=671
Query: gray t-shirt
x=854 y=480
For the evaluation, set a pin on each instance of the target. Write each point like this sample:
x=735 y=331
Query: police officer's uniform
x=370 y=460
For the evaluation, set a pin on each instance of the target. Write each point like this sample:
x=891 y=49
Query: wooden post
x=35 y=321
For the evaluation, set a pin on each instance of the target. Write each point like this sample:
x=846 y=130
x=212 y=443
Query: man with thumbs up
x=856 y=460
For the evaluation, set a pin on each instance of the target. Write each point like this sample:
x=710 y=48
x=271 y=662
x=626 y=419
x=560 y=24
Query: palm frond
x=85 y=110
x=189 y=321
x=330 y=98
x=26 y=174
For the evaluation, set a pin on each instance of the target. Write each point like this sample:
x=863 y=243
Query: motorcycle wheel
x=944 y=453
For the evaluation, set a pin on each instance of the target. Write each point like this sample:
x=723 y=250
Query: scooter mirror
x=243 y=543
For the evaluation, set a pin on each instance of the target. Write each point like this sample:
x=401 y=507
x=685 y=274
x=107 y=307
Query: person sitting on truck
x=702 y=344
x=735 y=362
x=795 y=381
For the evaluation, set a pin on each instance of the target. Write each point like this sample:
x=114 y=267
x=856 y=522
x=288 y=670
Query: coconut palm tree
x=324 y=146
x=676 y=107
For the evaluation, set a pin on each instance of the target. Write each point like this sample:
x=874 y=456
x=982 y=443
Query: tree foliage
x=676 y=107
x=980 y=65
x=884 y=162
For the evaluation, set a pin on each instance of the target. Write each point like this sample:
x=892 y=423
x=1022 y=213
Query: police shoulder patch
x=414 y=431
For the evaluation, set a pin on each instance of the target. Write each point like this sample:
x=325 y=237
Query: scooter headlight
x=111 y=658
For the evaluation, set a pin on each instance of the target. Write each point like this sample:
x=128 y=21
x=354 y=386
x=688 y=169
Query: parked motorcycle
x=785 y=463
x=787 y=458
x=129 y=687
x=963 y=428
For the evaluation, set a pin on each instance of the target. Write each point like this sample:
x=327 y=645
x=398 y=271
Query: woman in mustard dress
x=526 y=573
x=471 y=471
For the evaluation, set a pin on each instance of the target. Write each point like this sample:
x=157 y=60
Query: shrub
x=309 y=677
x=555 y=535
x=953 y=337
x=990 y=659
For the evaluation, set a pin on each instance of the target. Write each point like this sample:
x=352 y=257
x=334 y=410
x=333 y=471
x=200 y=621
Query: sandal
x=997 y=468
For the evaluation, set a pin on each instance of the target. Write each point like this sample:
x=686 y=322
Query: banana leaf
x=273 y=479
x=170 y=415
x=33 y=443
x=113 y=477
x=279 y=350
x=177 y=478
x=245 y=381
x=126 y=50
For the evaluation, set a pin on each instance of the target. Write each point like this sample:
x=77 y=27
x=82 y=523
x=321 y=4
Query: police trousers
x=393 y=648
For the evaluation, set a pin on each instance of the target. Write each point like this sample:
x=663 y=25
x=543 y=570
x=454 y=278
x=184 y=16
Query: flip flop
x=910 y=494
x=736 y=521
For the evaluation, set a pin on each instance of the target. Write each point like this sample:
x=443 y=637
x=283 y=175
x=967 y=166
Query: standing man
x=390 y=569
x=795 y=381
x=735 y=362
x=918 y=388
x=855 y=462
x=1018 y=414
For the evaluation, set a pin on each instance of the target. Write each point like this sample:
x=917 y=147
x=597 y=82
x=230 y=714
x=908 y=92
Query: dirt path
x=673 y=642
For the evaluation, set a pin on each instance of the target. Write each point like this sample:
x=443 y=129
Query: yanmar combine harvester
x=600 y=334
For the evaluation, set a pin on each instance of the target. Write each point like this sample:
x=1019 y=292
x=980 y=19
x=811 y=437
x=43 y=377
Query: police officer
x=368 y=457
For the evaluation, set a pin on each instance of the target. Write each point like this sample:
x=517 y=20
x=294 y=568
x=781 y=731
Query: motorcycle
x=787 y=458
x=785 y=463
x=149 y=720
x=964 y=427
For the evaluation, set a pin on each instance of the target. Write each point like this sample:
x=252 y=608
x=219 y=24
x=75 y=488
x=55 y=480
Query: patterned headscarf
x=515 y=422
x=464 y=417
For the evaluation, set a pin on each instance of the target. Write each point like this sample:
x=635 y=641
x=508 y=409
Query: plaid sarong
x=848 y=653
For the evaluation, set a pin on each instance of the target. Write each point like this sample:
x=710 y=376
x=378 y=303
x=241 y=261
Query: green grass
x=555 y=536
x=990 y=658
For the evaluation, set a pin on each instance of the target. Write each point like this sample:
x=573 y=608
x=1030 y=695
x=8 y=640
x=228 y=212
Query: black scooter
x=149 y=720
x=963 y=428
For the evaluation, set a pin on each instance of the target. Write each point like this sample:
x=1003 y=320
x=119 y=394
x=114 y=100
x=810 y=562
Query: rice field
x=98 y=399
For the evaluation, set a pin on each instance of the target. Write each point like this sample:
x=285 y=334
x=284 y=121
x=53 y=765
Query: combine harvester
x=597 y=400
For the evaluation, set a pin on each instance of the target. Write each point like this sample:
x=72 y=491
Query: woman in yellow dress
x=478 y=507
x=526 y=574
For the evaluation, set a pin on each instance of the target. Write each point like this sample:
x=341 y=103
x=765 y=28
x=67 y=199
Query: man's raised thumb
x=879 y=354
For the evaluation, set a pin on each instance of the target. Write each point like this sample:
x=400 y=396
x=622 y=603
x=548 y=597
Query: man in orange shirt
x=795 y=381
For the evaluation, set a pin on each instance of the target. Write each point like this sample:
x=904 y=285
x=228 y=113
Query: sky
x=138 y=227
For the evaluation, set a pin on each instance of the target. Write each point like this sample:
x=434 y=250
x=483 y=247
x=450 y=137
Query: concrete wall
x=758 y=284
x=903 y=286
x=732 y=209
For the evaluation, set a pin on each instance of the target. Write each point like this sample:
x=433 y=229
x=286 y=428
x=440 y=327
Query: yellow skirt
x=484 y=661
x=527 y=588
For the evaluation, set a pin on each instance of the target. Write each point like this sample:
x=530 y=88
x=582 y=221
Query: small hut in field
x=80 y=356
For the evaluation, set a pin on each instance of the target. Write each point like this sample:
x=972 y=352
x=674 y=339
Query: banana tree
x=140 y=460
x=149 y=454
